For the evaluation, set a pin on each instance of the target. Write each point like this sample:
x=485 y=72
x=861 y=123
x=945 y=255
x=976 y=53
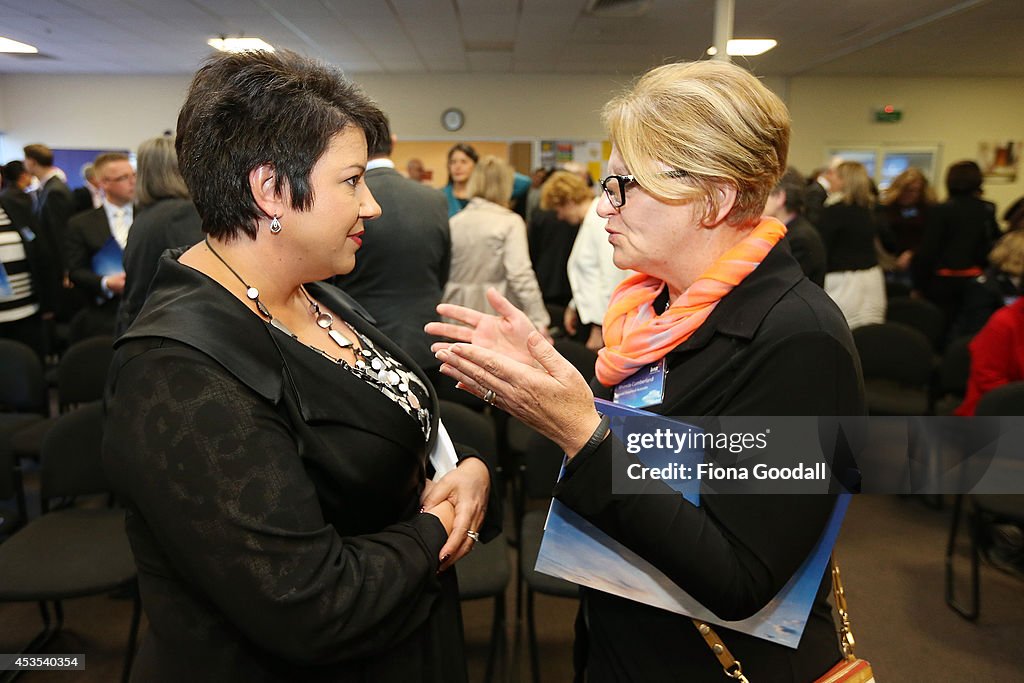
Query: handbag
x=850 y=669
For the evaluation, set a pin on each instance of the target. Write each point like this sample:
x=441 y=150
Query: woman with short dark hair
x=957 y=240
x=270 y=445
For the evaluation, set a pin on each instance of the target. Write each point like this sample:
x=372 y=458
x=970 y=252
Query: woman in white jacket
x=489 y=247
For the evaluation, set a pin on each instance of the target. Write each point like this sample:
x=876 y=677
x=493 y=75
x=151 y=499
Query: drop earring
x=275 y=225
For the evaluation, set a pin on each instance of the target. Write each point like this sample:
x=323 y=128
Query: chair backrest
x=923 y=316
x=955 y=367
x=893 y=351
x=582 y=358
x=82 y=372
x=23 y=387
x=468 y=427
x=72 y=453
x=1007 y=400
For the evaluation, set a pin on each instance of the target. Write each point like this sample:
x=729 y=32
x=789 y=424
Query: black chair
x=541 y=464
x=23 y=399
x=897 y=362
x=951 y=376
x=922 y=315
x=11 y=488
x=70 y=552
x=984 y=511
x=484 y=572
x=81 y=378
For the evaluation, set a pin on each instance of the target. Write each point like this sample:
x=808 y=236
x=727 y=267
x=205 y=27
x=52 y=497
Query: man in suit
x=88 y=196
x=96 y=241
x=785 y=204
x=818 y=191
x=402 y=266
x=54 y=206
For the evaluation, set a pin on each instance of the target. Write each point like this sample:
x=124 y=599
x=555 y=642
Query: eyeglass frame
x=624 y=181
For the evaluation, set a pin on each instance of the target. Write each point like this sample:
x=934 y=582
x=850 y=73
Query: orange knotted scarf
x=635 y=336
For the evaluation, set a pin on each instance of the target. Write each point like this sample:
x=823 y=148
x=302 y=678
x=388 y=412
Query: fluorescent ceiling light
x=746 y=47
x=8 y=45
x=239 y=44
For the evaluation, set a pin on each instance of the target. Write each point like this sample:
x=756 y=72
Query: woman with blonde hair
x=848 y=228
x=1000 y=285
x=722 y=321
x=593 y=275
x=489 y=247
x=903 y=206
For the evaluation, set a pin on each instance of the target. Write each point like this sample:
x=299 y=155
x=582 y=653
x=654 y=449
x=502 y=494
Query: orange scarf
x=635 y=336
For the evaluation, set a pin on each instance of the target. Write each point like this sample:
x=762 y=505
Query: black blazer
x=56 y=206
x=272 y=501
x=402 y=266
x=87 y=233
x=165 y=224
x=775 y=345
x=808 y=249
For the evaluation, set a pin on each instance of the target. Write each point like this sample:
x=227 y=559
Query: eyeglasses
x=614 y=186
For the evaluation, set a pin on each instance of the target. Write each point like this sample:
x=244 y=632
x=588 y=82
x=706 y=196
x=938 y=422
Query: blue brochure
x=109 y=260
x=5 y=283
x=575 y=550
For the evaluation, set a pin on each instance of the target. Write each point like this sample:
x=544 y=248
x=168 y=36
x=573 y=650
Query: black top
x=808 y=249
x=551 y=241
x=849 y=233
x=776 y=345
x=165 y=224
x=958 y=236
x=272 y=501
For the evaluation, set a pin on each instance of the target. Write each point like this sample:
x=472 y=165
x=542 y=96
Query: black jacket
x=272 y=501
x=776 y=345
x=166 y=224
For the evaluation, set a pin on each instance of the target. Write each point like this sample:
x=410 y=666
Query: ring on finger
x=473 y=535
x=489 y=396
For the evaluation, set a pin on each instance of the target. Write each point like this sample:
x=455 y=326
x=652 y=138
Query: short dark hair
x=963 y=178
x=39 y=153
x=12 y=172
x=381 y=145
x=251 y=108
x=465 y=149
x=794 y=185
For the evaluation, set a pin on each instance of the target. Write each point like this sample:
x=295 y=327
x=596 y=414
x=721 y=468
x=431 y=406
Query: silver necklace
x=324 y=320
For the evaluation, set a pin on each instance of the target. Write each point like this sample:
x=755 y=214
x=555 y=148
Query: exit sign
x=888 y=114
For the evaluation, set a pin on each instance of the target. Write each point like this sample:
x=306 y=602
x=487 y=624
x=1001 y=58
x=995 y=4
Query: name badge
x=644 y=388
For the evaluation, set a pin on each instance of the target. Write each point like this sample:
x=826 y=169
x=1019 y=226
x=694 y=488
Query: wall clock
x=452 y=119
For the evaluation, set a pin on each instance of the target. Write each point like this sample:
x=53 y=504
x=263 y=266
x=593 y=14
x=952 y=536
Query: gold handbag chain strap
x=731 y=666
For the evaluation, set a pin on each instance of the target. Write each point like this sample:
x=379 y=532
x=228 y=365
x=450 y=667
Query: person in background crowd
x=166 y=219
x=537 y=178
x=785 y=204
x=820 y=188
x=271 y=447
x=725 y=316
x=489 y=247
x=997 y=355
x=591 y=270
x=1014 y=216
x=54 y=206
x=89 y=196
x=462 y=160
x=414 y=170
x=95 y=246
x=1001 y=284
x=24 y=299
x=957 y=240
x=903 y=207
x=849 y=231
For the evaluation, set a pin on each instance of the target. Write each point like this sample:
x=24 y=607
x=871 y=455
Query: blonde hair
x=492 y=179
x=855 y=183
x=563 y=188
x=902 y=181
x=159 y=177
x=1008 y=254
x=712 y=120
